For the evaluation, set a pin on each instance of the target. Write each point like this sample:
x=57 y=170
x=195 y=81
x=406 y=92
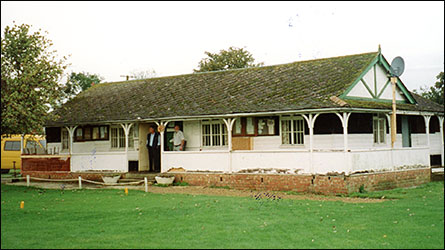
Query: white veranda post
x=441 y=137
x=126 y=127
x=389 y=121
x=427 y=129
x=311 y=123
x=71 y=130
x=344 y=117
x=229 y=124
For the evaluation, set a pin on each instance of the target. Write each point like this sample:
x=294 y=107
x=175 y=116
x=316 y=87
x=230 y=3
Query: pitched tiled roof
x=292 y=86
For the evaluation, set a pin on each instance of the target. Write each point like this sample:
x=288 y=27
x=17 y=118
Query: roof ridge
x=238 y=69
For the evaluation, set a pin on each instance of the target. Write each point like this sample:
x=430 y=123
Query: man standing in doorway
x=154 y=149
x=178 y=140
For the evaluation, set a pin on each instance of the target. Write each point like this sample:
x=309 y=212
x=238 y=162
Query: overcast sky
x=115 y=38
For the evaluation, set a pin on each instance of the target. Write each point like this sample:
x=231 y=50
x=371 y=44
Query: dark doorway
x=133 y=166
x=406 y=132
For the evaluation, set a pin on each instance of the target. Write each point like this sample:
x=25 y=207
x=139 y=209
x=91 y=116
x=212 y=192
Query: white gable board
x=369 y=79
x=376 y=79
x=360 y=91
x=381 y=78
x=387 y=94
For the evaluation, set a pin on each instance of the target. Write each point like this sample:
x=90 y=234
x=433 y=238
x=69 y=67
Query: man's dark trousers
x=154 y=156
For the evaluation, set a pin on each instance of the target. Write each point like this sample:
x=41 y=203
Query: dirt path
x=198 y=190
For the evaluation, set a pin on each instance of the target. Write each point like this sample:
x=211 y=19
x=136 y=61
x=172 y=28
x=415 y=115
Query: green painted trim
x=357 y=80
x=383 y=89
x=375 y=81
x=373 y=99
x=401 y=86
x=367 y=87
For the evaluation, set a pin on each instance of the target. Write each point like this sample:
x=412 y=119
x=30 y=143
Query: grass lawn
x=110 y=219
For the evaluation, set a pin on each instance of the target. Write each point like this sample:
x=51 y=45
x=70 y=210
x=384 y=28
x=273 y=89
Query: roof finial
x=380 y=49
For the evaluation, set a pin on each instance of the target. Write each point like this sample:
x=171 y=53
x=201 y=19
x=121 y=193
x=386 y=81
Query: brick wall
x=46 y=164
x=319 y=184
x=389 y=180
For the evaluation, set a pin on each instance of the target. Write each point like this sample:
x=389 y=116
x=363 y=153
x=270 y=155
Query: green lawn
x=109 y=219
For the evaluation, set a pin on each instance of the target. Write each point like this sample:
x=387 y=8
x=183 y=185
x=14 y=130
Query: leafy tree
x=78 y=82
x=30 y=78
x=434 y=93
x=143 y=74
x=233 y=58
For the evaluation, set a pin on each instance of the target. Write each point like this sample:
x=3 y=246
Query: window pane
x=262 y=127
x=224 y=135
x=382 y=130
x=121 y=138
x=270 y=125
x=206 y=134
x=65 y=138
x=216 y=134
x=250 y=129
x=131 y=138
x=87 y=134
x=374 y=128
x=114 y=143
x=103 y=132
x=12 y=146
x=79 y=134
x=238 y=126
x=285 y=132
x=31 y=144
x=95 y=133
x=299 y=131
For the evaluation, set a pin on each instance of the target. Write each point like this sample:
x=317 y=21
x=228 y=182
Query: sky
x=114 y=39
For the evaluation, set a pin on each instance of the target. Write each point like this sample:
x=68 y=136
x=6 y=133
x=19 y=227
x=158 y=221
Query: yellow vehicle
x=11 y=149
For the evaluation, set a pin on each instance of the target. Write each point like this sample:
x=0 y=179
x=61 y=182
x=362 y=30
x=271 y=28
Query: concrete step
x=128 y=180
x=139 y=175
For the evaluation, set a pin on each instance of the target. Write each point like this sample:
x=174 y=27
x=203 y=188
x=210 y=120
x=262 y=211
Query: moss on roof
x=422 y=105
x=292 y=86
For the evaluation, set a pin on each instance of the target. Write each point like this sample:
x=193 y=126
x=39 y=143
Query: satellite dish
x=397 y=66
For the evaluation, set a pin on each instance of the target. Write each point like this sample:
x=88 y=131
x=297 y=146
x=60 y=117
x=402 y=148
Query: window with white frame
x=292 y=130
x=65 y=138
x=131 y=136
x=379 y=128
x=214 y=133
x=117 y=137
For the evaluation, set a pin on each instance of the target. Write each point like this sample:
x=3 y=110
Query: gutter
x=305 y=111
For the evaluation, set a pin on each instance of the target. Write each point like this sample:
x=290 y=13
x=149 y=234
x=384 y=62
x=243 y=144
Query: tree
x=143 y=74
x=30 y=80
x=434 y=93
x=233 y=58
x=78 y=82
